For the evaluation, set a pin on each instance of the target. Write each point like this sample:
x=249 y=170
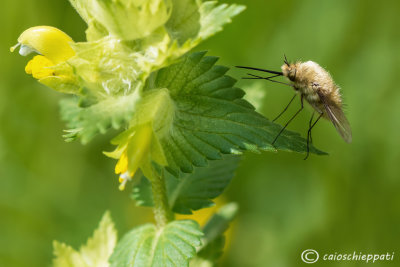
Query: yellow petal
x=122 y=164
x=135 y=153
x=39 y=67
x=48 y=41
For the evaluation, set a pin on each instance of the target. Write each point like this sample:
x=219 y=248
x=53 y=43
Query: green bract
x=123 y=19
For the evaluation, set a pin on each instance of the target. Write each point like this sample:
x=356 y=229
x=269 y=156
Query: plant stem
x=162 y=212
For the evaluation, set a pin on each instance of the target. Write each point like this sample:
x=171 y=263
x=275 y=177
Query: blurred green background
x=347 y=201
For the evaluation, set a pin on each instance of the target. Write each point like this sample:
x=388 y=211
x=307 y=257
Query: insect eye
x=292 y=74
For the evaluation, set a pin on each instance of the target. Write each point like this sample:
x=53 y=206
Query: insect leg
x=309 y=137
x=309 y=127
x=284 y=127
x=290 y=102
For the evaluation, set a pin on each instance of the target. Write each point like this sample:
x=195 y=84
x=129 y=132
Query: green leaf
x=213 y=241
x=195 y=191
x=172 y=245
x=219 y=223
x=184 y=22
x=214 y=16
x=191 y=191
x=211 y=117
x=197 y=21
x=209 y=256
x=95 y=253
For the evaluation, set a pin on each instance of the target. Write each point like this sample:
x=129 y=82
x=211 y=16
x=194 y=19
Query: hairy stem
x=162 y=212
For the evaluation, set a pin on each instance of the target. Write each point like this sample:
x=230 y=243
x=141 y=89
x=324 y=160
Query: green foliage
x=191 y=191
x=215 y=16
x=209 y=256
x=219 y=223
x=185 y=20
x=95 y=253
x=172 y=245
x=213 y=240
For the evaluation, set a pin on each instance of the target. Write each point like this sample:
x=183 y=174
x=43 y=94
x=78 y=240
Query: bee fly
x=316 y=86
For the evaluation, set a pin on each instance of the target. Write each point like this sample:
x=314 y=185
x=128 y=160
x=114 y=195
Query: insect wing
x=338 y=119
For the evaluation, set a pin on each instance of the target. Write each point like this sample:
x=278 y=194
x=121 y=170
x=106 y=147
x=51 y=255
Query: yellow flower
x=54 y=49
x=139 y=147
x=134 y=153
x=48 y=41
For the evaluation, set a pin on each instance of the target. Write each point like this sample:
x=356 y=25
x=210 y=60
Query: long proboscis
x=263 y=70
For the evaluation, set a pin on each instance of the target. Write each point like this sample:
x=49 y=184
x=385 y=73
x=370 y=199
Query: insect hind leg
x=309 y=136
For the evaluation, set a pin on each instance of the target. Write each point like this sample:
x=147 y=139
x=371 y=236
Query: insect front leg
x=284 y=110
